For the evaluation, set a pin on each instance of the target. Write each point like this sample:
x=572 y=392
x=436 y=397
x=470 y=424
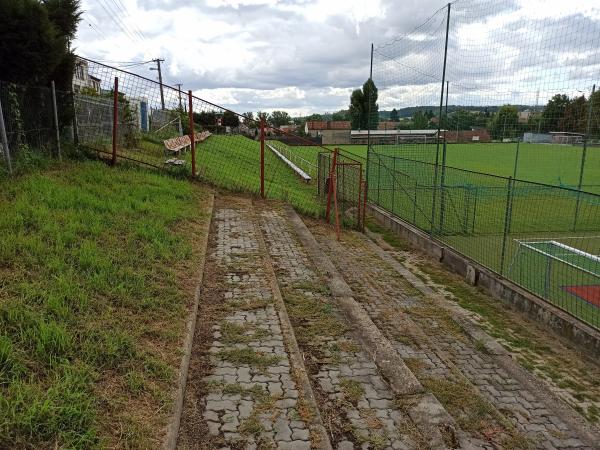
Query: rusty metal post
x=115 y=121
x=262 y=157
x=192 y=138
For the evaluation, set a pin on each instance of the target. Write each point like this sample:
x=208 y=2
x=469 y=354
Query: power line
x=120 y=7
x=117 y=21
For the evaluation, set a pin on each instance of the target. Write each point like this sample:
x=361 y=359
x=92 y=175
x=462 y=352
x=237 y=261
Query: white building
x=82 y=78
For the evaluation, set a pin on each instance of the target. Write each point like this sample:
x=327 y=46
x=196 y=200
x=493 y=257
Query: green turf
x=541 y=163
x=91 y=304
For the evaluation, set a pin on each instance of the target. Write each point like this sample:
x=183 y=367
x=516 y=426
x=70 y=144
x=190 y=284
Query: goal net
x=563 y=274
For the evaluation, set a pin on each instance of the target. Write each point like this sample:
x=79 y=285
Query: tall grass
x=90 y=297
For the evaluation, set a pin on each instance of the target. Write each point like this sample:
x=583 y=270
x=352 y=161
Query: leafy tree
x=35 y=39
x=363 y=103
x=263 y=116
x=206 y=118
x=279 y=118
x=249 y=120
x=420 y=120
x=553 y=112
x=357 y=112
x=230 y=119
x=341 y=115
x=394 y=115
x=314 y=118
x=574 y=117
x=505 y=122
x=594 y=103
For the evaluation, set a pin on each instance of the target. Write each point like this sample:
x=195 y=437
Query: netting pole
x=443 y=178
x=437 y=150
x=262 y=157
x=115 y=121
x=4 y=140
x=507 y=220
x=516 y=159
x=335 y=202
x=192 y=137
x=583 y=155
x=369 y=127
x=364 y=205
x=55 y=113
x=360 y=187
x=393 y=182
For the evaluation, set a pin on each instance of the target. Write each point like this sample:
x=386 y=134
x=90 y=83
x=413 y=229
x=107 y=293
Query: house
x=393 y=136
x=387 y=125
x=82 y=78
x=315 y=128
x=524 y=116
x=565 y=137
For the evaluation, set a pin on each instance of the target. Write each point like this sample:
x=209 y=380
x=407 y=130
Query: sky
x=306 y=56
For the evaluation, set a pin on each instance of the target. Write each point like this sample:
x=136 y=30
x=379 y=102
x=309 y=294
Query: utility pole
x=162 y=95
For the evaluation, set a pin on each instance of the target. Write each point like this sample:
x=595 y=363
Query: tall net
x=497 y=138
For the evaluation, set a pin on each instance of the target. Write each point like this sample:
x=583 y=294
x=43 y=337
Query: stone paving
x=253 y=399
x=439 y=351
x=352 y=393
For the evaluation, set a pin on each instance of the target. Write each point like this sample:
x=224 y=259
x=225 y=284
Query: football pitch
x=557 y=165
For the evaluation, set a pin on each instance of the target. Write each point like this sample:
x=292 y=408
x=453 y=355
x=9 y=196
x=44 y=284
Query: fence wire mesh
x=486 y=134
x=153 y=128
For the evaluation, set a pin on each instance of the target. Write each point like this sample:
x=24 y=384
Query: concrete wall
x=560 y=322
x=340 y=137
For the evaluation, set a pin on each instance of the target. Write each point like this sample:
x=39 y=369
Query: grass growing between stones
x=96 y=274
x=572 y=375
x=248 y=356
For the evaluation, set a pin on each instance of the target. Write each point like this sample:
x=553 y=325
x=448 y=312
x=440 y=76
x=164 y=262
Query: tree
x=341 y=115
x=574 y=117
x=230 y=119
x=394 y=115
x=249 y=120
x=420 y=120
x=594 y=103
x=263 y=116
x=279 y=118
x=206 y=118
x=364 y=110
x=553 y=112
x=505 y=122
x=35 y=39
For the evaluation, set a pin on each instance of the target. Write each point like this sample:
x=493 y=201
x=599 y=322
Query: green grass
x=541 y=163
x=92 y=305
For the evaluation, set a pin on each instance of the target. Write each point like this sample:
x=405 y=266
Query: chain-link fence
x=486 y=135
x=34 y=122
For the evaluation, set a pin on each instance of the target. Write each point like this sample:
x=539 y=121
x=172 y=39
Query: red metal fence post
x=262 y=158
x=192 y=139
x=115 y=121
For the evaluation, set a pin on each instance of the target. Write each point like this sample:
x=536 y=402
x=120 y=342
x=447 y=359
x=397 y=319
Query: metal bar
x=393 y=183
x=262 y=157
x=75 y=124
x=516 y=159
x=192 y=138
x=360 y=186
x=364 y=205
x=583 y=155
x=507 y=218
x=335 y=202
x=4 y=140
x=369 y=113
x=115 y=121
x=55 y=113
x=437 y=150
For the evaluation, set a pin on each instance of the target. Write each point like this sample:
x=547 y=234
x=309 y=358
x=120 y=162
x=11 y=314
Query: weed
x=352 y=390
x=248 y=356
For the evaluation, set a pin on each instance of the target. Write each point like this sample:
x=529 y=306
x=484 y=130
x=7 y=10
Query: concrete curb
x=170 y=442
x=300 y=372
x=492 y=347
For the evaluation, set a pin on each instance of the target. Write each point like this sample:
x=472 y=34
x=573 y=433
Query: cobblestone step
x=357 y=403
x=250 y=394
x=444 y=358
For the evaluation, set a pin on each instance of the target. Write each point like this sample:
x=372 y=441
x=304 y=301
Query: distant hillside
x=409 y=111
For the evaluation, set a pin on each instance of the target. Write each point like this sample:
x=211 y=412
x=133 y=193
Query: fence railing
x=487 y=217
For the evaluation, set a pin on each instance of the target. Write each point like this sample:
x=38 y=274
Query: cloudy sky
x=307 y=56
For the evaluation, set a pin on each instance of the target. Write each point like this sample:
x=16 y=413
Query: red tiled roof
x=330 y=125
